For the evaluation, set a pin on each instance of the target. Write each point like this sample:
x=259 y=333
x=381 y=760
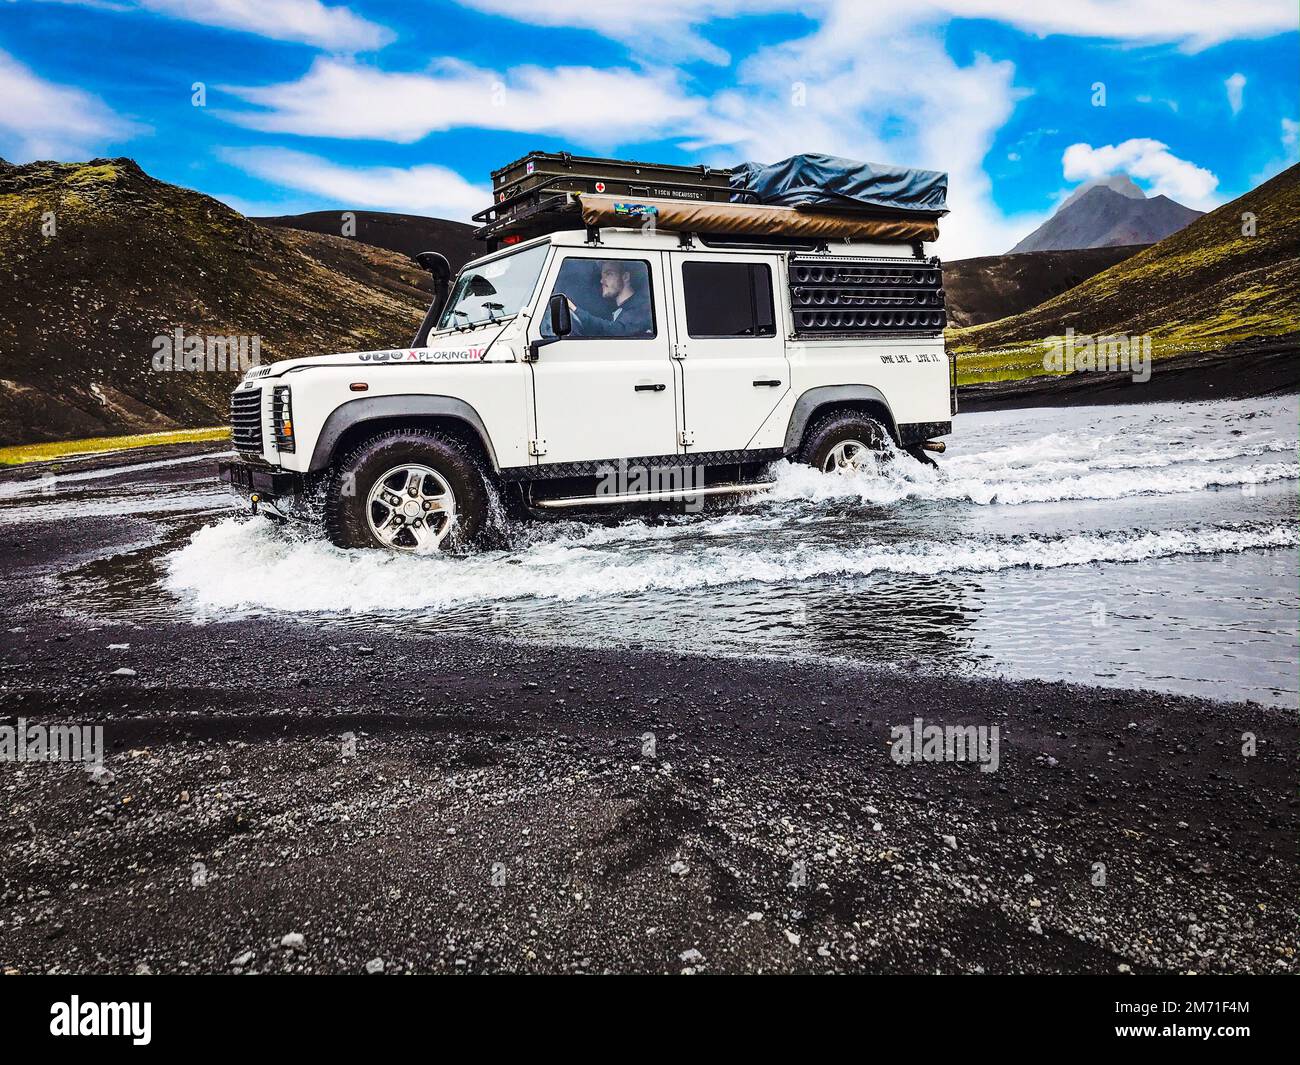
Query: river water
x=1150 y=546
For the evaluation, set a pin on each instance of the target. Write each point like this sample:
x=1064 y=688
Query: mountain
x=407 y=234
x=98 y=261
x=995 y=286
x=1108 y=213
x=1121 y=183
x=1206 y=287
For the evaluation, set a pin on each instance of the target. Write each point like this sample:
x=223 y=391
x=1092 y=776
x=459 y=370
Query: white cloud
x=672 y=26
x=1290 y=132
x=337 y=98
x=655 y=27
x=838 y=91
x=1194 y=23
x=1235 y=84
x=1148 y=161
x=426 y=189
x=302 y=21
x=44 y=120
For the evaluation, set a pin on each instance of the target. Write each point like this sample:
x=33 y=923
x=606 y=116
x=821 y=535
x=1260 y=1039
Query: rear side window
x=728 y=299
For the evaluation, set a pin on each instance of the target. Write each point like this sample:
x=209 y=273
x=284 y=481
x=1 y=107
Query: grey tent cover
x=828 y=181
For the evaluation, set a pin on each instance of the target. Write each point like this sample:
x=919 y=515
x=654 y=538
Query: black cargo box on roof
x=533 y=195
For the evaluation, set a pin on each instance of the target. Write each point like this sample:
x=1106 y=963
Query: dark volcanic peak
x=407 y=234
x=1101 y=217
x=1121 y=183
x=99 y=260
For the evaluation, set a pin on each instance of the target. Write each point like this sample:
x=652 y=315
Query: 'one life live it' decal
x=470 y=354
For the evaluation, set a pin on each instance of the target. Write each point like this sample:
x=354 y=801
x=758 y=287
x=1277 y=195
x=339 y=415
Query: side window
x=608 y=298
x=728 y=299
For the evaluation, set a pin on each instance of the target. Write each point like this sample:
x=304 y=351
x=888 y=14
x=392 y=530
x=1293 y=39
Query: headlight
x=282 y=417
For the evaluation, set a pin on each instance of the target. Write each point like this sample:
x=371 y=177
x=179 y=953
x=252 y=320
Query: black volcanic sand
x=496 y=810
x=1248 y=370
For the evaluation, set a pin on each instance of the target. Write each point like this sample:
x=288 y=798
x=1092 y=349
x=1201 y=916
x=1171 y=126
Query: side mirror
x=561 y=319
x=559 y=322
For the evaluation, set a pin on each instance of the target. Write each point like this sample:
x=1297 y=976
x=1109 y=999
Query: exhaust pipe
x=937 y=446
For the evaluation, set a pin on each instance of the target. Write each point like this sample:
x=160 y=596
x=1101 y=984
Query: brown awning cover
x=693 y=216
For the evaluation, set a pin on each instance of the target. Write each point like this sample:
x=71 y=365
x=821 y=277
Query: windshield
x=494 y=289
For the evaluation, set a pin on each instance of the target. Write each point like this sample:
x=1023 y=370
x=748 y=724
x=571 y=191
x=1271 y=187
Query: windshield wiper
x=492 y=307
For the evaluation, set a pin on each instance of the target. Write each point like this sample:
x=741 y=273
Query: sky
x=283 y=106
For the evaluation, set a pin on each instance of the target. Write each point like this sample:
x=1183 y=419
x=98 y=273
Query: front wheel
x=407 y=490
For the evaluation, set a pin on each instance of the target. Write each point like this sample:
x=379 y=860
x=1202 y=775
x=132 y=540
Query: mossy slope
x=1201 y=289
x=131 y=258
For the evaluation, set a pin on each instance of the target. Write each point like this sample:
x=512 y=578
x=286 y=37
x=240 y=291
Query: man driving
x=631 y=315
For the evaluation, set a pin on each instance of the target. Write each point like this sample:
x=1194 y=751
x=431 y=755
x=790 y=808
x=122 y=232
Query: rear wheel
x=842 y=442
x=410 y=490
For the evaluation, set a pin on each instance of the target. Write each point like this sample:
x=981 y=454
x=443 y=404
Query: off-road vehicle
x=623 y=353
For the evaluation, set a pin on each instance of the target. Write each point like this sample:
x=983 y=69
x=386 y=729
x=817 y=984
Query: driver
x=631 y=314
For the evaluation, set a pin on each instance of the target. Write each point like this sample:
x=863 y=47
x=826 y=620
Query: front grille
x=246 y=420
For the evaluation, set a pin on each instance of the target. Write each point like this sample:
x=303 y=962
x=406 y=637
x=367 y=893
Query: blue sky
x=407 y=106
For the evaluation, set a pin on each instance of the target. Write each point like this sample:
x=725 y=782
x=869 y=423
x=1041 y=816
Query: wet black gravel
x=478 y=807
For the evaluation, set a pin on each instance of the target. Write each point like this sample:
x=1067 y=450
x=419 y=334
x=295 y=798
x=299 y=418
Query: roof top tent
x=802 y=201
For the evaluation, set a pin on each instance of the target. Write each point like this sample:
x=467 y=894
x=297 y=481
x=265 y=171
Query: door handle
x=649 y=388
x=767 y=383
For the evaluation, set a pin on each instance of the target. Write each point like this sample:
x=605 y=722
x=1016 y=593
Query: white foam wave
x=904 y=479
x=241 y=564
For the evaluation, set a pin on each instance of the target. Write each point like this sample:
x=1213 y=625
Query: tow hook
x=937 y=446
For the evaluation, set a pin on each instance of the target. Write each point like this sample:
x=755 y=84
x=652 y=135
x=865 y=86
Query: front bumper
x=246 y=477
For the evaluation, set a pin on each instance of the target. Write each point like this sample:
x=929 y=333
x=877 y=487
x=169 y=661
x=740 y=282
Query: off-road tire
x=354 y=474
x=835 y=428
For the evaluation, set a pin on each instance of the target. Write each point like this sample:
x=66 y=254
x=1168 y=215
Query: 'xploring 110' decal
x=425 y=355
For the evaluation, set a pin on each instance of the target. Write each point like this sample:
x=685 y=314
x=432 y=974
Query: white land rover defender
x=695 y=338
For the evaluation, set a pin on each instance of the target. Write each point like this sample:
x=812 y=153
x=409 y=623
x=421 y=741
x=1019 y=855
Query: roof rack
x=547 y=192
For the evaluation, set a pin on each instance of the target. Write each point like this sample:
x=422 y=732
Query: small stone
x=794 y=937
x=102 y=775
x=244 y=960
x=679 y=868
x=755 y=916
x=691 y=956
x=294 y=941
x=950 y=842
x=1124 y=967
x=123 y=672
x=375 y=966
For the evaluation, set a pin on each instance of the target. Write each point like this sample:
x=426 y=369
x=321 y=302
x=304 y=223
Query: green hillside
x=1201 y=289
